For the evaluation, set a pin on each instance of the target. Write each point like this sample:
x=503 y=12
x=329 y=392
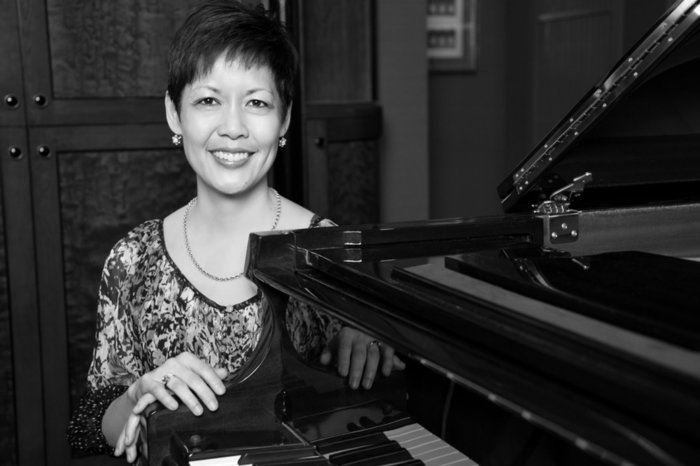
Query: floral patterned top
x=148 y=311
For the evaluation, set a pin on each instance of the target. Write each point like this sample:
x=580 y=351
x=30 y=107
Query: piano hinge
x=561 y=223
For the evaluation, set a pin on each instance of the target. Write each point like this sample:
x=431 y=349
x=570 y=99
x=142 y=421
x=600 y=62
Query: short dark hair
x=244 y=32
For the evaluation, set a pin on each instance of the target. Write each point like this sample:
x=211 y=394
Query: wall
x=479 y=123
x=402 y=90
x=467 y=126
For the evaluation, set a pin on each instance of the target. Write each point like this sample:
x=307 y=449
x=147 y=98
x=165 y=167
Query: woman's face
x=230 y=121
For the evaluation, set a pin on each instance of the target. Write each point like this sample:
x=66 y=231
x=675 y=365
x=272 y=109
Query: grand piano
x=565 y=331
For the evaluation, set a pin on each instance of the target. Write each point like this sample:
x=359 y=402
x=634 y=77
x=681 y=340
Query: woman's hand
x=193 y=381
x=358 y=356
x=132 y=435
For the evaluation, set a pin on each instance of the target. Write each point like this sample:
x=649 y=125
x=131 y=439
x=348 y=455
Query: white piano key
x=428 y=447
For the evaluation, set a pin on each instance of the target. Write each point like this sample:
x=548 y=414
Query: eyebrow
x=218 y=91
x=211 y=88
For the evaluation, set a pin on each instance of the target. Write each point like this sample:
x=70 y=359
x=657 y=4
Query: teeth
x=231 y=156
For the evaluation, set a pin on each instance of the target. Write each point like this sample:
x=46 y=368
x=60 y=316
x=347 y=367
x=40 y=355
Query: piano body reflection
x=566 y=331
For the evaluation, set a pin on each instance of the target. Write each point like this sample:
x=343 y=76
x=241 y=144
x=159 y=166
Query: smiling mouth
x=231 y=157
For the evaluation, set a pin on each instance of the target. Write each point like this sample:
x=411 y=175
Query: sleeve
x=84 y=431
x=310 y=329
x=115 y=363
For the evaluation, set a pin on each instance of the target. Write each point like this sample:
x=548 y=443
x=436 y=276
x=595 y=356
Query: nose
x=233 y=123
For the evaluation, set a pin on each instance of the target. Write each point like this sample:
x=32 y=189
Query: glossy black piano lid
x=649 y=294
x=637 y=131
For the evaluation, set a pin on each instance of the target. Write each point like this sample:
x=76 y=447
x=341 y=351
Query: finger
x=143 y=402
x=119 y=447
x=203 y=370
x=131 y=453
x=131 y=430
x=343 y=353
x=182 y=389
x=143 y=437
x=132 y=437
x=221 y=373
x=357 y=362
x=398 y=363
x=371 y=364
x=203 y=390
x=162 y=393
x=326 y=356
x=387 y=360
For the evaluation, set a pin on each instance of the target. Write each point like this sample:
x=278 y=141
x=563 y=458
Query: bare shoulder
x=294 y=216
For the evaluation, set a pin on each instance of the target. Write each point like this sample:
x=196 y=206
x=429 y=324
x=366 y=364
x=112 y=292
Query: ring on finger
x=376 y=343
x=166 y=378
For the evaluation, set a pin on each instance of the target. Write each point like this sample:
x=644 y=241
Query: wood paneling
x=353 y=182
x=8 y=439
x=12 y=106
x=23 y=305
x=340 y=122
x=111 y=49
x=11 y=113
x=342 y=161
x=106 y=63
x=337 y=50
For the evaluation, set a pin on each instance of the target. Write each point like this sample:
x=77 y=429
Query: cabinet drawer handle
x=11 y=101
x=15 y=152
x=44 y=151
x=40 y=100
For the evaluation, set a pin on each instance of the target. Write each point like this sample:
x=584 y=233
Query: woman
x=169 y=286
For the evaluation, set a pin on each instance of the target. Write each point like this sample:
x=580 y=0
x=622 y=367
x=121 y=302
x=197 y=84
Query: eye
x=258 y=103
x=207 y=101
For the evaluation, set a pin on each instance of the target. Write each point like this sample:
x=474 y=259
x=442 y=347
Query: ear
x=171 y=115
x=287 y=119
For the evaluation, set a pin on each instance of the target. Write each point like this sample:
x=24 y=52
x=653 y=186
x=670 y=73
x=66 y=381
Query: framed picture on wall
x=451 y=35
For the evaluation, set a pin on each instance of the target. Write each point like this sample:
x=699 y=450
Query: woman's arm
x=115 y=417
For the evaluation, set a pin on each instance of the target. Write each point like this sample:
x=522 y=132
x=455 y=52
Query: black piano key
x=370 y=451
x=380 y=460
x=329 y=446
x=318 y=461
x=277 y=453
x=413 y=462
x=366 y=422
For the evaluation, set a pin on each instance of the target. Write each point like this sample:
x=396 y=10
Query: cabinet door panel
x=88 y=191
x=340 y=121
x=11 y=87
x=8 y=437
x=22 y=363
x=106 y=63
x=337 y=70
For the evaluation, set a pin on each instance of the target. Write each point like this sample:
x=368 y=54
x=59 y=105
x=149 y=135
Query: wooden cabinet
x=338 y=119
x=92 y=158
x=86 y=155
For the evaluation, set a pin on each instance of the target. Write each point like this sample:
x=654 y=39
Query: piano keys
x=408 y=445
